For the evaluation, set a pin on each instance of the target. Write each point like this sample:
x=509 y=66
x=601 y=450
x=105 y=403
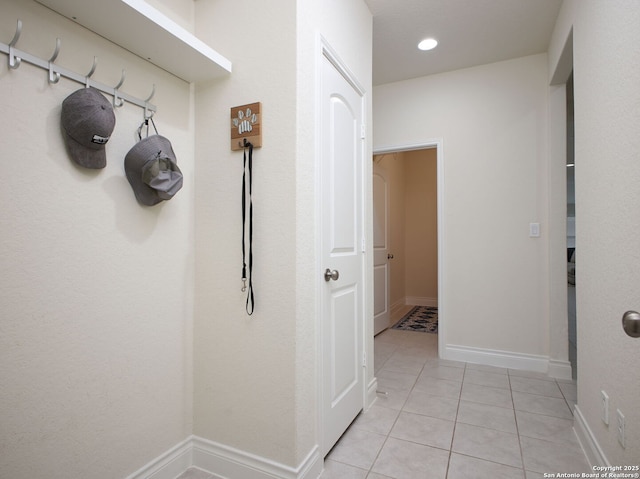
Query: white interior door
x=341 y=216
x=381 y=273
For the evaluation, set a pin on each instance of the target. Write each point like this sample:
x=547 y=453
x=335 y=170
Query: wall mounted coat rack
x=16 y=57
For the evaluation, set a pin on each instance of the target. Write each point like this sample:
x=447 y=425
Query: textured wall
x=244 y=365
x=180 y=11
x=95 y=291
x=256 y=377
x=493 y=124
x=606 y=74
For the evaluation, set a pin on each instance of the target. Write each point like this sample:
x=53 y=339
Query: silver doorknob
x=389 y=256
x=331 y=275
x=631 y=323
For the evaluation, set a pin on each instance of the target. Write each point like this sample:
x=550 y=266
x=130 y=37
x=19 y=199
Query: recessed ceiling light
x=428 y=44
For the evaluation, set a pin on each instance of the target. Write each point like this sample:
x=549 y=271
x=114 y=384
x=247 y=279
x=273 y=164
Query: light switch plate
x=534 y=230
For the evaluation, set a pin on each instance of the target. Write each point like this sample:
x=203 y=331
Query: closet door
x=342 y=263
x=381 y=255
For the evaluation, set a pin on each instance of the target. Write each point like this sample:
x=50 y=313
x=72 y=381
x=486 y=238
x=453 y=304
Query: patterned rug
x=421 y=318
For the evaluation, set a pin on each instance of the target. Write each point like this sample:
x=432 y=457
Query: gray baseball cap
x=152 y=170
x=87 y=122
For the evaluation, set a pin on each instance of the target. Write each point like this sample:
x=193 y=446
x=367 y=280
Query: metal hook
x=148 y=112
x=14 y=61
x=91 y=72
x=153 y=92
x=117 y=101
x=54 y=77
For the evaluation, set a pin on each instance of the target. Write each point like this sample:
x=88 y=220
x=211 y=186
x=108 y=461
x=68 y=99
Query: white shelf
x=136 y=26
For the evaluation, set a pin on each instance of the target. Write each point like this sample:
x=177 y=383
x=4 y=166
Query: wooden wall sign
x=246 y=124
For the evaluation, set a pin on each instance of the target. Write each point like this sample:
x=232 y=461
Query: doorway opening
x=408 y=232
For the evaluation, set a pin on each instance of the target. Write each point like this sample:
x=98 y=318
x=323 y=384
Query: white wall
x=606 y=65
x=96 y=291
x=256 y=382
x=492 y=121
x=101 y=340
x=244 y=366
x=180 y=11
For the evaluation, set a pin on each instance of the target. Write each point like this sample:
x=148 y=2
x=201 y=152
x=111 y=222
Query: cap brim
x=145 y=195
x=83 y=156
x=135 y=160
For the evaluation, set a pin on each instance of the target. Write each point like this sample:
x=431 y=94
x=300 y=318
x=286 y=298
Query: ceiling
x=469 y=32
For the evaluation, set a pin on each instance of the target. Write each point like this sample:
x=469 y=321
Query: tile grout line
x=373 y=463
x=510 y=377
x=564 y=397
x=515 y=419
x=370 y=470
x=396 y=347
x=411 y=390
x=455 y=422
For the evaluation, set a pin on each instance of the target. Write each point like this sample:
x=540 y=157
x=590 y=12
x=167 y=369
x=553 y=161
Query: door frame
x=324 y=50
x=436 y=143
x=559 y=364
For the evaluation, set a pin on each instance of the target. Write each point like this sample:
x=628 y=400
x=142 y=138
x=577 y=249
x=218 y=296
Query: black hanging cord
x=247 y=180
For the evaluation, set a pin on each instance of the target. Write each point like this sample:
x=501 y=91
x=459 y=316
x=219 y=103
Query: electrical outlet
x=605 y=407
x=620 y=418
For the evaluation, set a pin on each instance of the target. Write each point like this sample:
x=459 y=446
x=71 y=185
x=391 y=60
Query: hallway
x=443 y=419
x=439 y=419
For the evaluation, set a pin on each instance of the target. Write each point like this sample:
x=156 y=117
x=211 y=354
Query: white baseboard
x=587 y=440
x=168 y=465
x=507 y=359
x=493 y=357
x=229 y=463
x=421 y=301
x=371 y=393
x=225 y=462
x=397 y=306
x=559 y=369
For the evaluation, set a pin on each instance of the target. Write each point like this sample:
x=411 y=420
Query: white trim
x=421 y=301
x=330 y=54
x=318 y=53
x=372 y=393
x=559 y=369
x=436 y=143
x=593 y=451
x=397 y=306
x=169 y=464
x=225 y=462
x=493 y=357
x=508 y=359
x=228 y=462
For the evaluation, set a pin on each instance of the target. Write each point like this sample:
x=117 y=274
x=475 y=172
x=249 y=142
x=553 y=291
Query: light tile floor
x=451 y=420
